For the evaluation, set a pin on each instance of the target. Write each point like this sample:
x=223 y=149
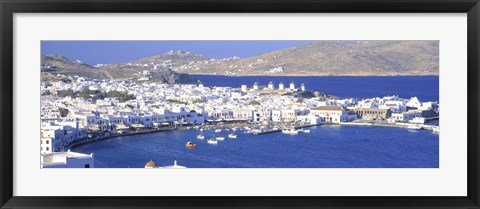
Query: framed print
x=263 y=104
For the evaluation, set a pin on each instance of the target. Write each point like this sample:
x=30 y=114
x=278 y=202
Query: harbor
x=326 y=146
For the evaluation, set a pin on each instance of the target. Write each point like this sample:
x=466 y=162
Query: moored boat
x=290 y=131
x=218 y=130
x=232 y=136
x=200 y=136
x=190 y=145
x=211 y=141
x=220 y=138
x=414 y=127
x=307 y=131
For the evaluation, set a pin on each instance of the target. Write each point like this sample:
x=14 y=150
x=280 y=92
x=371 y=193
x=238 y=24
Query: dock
x=266 y=132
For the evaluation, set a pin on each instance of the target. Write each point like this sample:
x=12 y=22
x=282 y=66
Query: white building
x=67 y=160
x=281 y=86
x=406 y=116
x=303 y=87
x=277 y=116
x=244 y=88
x=270 y=85
x=310 y=119
x=255 y=86
x=292 y=86
x=332 y=114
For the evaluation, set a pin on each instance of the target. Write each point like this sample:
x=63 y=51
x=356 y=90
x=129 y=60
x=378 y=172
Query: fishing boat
x=190 y=145
x=232 y=136
x=290 y=131
x=200 y=136
x=211 y=141
x=220 y=138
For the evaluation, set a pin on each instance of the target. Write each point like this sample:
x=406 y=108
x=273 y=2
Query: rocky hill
x=321 y=58
x=318 y=58
x=57 y=64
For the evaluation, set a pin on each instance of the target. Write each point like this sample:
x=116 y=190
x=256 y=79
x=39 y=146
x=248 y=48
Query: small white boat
x=200 y=136
x=256 y=131
x=218 y=130
x=220 y=138
x=414 y=127
x=234 y=129
x=201 y=129
x=290 y=131
x=232 y=136
x=307 y=131
x=436 y=129
x=211 y=141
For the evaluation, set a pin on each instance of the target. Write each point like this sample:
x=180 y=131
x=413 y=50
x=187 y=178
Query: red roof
x=150 y=164
x=329 y=108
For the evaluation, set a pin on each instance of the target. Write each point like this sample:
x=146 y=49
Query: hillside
x=321 y=58
x=318 y=58
x=57 y=64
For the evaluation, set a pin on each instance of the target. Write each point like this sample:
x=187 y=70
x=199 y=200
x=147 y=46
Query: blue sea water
x=423 y=87
x=328 y=146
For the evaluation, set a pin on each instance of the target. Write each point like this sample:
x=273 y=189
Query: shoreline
x=310 y=75
x=148 y=131
x=238 y=125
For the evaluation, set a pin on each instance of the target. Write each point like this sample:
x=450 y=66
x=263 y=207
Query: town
x=78 y=110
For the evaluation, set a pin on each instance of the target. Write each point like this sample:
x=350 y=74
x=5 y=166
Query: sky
x=111 y=52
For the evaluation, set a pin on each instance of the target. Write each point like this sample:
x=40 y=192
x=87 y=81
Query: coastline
x=308 y=75
x=238 y=125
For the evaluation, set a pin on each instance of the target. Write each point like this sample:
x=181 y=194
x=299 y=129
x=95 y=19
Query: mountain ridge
x=318 y=58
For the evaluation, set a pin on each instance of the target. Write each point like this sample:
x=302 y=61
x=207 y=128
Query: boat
x=414 y=127
x=220 y=138
x=232 y=136
x=307 y=131
x=211 y=141
x=218 y=130
x=200 y=136
x=290 y=131
x=190 y=145
x=436 y=129
x=256 y=131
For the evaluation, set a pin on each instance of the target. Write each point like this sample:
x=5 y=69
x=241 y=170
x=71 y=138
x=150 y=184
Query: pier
x=266 y=132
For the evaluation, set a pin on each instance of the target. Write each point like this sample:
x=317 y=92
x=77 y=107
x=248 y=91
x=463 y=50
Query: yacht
x=211 y=141
x=220 y=138
x=200 y=136
x=290 y=131
x=232 y=136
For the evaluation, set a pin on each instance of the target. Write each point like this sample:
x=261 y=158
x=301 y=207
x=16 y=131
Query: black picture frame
x=10 y=7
